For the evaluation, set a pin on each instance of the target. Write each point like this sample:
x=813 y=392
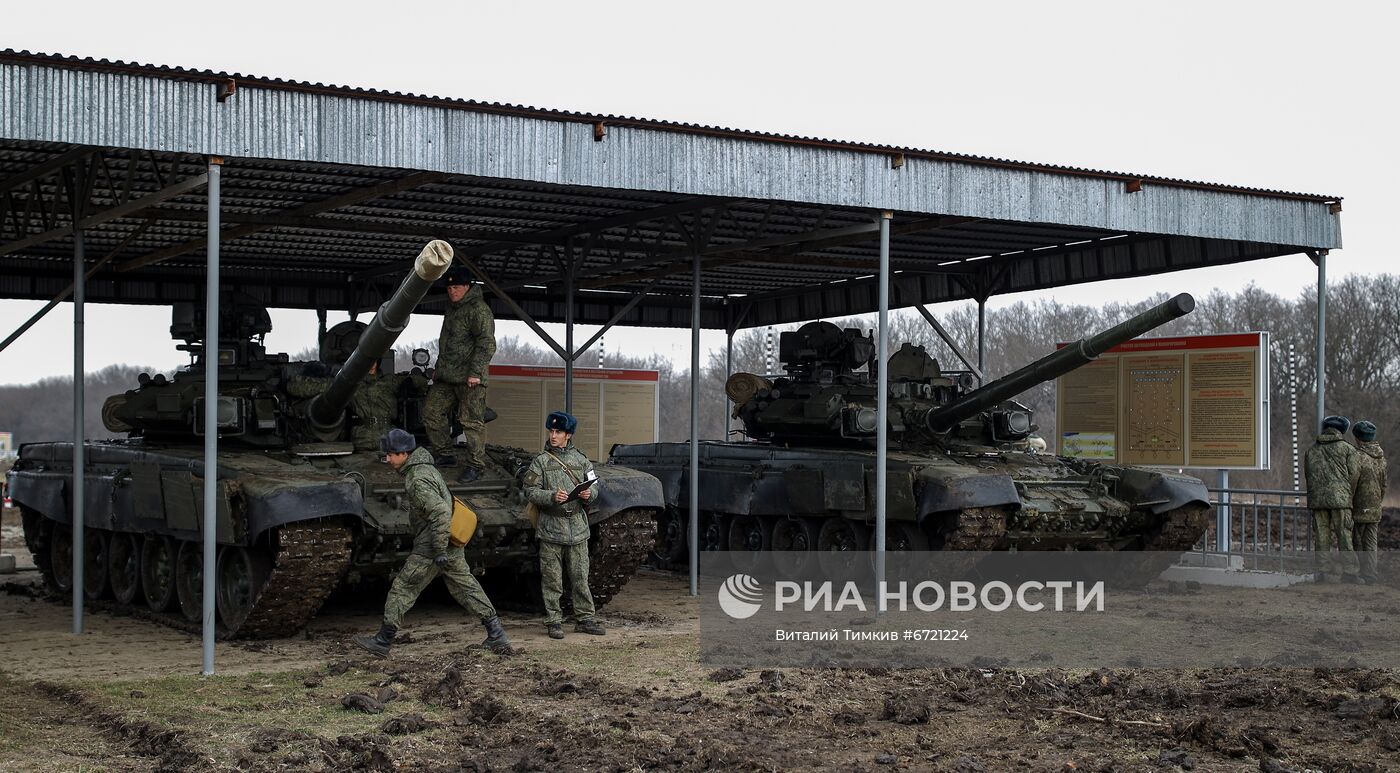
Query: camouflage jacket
x=374 y=403
x=429 y=504
x=1331 y=469
x=1370 y=484
x=565 y=524
x=468 y=340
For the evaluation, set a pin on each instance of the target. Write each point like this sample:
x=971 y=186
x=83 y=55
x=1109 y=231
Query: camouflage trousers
x=415 y=575
x=555 y=560
x=1366 y=539
x=1333 y=528
x=470 y=404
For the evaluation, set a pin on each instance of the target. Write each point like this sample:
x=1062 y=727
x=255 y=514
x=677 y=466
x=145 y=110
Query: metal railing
x=1267 y=529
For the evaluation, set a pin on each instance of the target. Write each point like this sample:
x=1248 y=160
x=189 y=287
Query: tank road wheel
x=158 y=571
x=750 y=533
x=61 y=557
x=189 y=579
x=794 y=539
x=837 y=540
x=95 y=557
x=714 y=532
x=670 y=539
x=904 y=535
x=242 y=574
x=124 y=566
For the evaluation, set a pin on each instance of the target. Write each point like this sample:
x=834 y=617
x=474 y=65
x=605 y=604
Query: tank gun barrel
x=328 y=408
x=1056 y=364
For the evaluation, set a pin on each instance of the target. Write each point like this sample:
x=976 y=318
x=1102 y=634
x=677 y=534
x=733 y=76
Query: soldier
x=1331 y=469
x=1366 y=502
x=563 y=524
x=430 y=505
x=465 y=348
x=374 y=402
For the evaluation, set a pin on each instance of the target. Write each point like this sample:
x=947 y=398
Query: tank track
x=310 y=560
x=1181 y=529
x=622 y=545
x=979 y=528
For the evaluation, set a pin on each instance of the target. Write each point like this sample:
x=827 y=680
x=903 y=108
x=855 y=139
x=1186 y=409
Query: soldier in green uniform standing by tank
x=465 y=348
x=1366 y=501
x=1332 y=468
x=562 y=527
x=430 y=506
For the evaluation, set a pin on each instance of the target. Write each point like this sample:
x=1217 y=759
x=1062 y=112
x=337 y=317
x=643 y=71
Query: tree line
x=1363 y=362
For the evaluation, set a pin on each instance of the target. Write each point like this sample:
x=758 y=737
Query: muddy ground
x=125 y=695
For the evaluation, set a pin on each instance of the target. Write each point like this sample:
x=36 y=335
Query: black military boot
x=556 y=631
x=590 y=626
x=468 y=475
x=379 y=643
x=445 y=460
x=496 y=639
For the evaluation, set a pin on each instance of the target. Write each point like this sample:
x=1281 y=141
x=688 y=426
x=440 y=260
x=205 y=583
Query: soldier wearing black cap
x=1366 y=501
x=554 y=476
x=465 y=348
x=1332 y=468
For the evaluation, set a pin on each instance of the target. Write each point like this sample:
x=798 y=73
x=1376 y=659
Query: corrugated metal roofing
x=511 y=185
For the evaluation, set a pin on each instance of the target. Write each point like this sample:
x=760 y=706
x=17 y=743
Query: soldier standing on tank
x=1366 y=501
x=562 y=527
x=1331 y=468
x=465 y=348
x=430 y=506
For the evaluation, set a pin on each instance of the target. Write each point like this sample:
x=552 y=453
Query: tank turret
x=826 y=397
x=254 y=405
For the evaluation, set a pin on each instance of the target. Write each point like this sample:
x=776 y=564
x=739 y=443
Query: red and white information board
x=612 y=405
x=1183 y=401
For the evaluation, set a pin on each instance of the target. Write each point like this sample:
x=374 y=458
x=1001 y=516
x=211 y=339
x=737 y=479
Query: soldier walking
x=465 y=348
x=430 y=506
x=1331 y=469
x=563 y=524
x=1366 y=502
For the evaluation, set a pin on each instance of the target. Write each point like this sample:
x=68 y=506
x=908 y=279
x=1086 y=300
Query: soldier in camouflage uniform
x=1366 y=501
x=465 y=348
x=430 y=505
x=1332 y=468
x=374 y=402
x=562 y=527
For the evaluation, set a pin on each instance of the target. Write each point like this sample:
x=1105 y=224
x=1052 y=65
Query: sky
x=1283 y=95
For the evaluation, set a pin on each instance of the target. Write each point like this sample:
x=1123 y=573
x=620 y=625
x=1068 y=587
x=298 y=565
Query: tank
x=965 y=470
x=305 y=501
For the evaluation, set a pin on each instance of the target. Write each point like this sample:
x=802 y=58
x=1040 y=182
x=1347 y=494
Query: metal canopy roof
x=326 y=192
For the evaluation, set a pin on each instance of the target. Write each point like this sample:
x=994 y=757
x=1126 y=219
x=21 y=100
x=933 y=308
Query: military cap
x=397 y=441
x=457 y=275
x=561 y=421
x=1364 y=431
x=1339 y=423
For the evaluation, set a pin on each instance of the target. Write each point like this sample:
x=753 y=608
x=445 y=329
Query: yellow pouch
x=463 y=523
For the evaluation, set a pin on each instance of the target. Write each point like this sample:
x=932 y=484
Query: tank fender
x=940 y=490
x=1158 y=492
x=272 y=501
x=623 y=489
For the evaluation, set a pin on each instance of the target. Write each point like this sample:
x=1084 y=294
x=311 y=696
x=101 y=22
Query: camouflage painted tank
x=963 y=472
x=300 y=509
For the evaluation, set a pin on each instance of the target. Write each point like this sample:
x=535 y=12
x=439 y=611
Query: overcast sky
x=1285 y=95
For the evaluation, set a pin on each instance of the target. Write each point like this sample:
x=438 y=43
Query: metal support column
x=79 y=529
x=1320 y=257
x=211 y=416
x=981 y=339
x=694 y=487
x=882 y=392
x=1222 y=515
x=728 y=371
x=569 y=332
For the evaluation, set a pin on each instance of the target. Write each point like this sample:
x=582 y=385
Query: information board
x=612 y=406
x=6 y=443
x=1184 y=401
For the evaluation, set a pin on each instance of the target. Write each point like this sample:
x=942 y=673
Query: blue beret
x=561 y=421
x=397 y=441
